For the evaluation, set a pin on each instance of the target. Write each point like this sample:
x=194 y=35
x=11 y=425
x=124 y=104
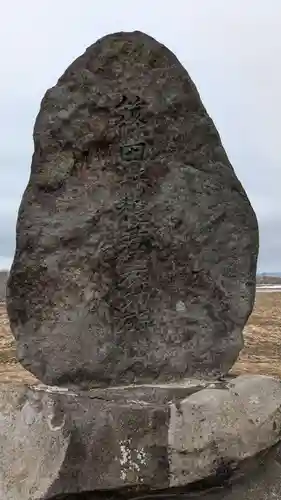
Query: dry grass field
x=261 y=354
x=10 y=369
x=262 y=335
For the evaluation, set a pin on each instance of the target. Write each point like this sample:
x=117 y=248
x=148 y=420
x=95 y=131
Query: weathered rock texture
x=263 y=483
x=145 y=439
x=136 y=243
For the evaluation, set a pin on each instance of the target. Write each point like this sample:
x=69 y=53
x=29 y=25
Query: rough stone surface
x=145 y=439
x=214 y=430
x=136 y=243
x=261 y=483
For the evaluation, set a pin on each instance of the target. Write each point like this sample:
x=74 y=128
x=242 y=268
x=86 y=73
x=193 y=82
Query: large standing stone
x=136 y=243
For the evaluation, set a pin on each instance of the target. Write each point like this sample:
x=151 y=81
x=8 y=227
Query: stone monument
x=134 y=269
x=136 y=243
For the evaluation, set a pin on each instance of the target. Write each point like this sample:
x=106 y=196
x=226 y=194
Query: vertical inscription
x=131 y=109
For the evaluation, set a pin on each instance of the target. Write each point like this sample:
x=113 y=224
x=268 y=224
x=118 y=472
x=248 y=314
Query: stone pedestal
x=136 y=440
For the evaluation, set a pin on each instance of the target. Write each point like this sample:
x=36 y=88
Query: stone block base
x=137 y=440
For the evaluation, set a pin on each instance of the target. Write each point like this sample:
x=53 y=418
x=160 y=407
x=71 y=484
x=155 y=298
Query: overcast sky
x=231 y=48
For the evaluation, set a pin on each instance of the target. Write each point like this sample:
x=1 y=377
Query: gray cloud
x=231 y=48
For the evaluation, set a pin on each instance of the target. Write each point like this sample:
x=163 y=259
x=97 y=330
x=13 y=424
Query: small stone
x=136 y=243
